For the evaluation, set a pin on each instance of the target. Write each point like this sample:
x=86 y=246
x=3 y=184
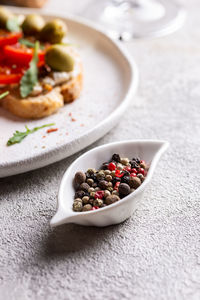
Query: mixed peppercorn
x=114 y=181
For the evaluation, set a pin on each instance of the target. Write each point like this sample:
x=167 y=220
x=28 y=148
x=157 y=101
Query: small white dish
x=148 y=150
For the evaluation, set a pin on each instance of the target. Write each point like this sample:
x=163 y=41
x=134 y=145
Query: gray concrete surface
x=156 y=253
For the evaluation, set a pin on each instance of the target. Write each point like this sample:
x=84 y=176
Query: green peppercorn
x=134 y=182
x=141 y=177
x=98 y=202
x=110 y=184
x=84 y=186
x=110 y=189
x=108 y=178
x=107 y=172
x=111 y=199
x=77 y=206
x=100 y=175
x=85 y=200
x=113 y=173
x=143 y=165
x=106 y=193
x=90 y=181
x=120 y=166
x=97 y=189
x=78 y=199
x=91 y=171
x=115 y=193
x=90 y=190
x=92 y=194
x=124 y=161
x=87 y=207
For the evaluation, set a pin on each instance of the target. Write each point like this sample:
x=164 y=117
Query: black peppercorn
x=79 y=194
x=125 y=179
x=116 y=157
x=124 y=189
x=134 y=164
x=115 y=180
x=104 y=166
x=103 y=184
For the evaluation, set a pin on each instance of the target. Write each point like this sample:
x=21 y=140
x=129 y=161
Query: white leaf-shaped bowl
x=148 y=150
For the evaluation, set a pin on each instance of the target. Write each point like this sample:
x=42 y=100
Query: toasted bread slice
x=34 y=107
x=45 y=104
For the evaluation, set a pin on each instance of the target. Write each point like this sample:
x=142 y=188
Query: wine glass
x=127 y=19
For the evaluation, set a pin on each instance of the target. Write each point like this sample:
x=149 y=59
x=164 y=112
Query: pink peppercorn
x=133 y=174
x=141 y=171
x=127 y=169
x=95 y=207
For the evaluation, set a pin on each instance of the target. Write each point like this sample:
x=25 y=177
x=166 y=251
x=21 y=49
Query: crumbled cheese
x=36 y=90
x=61 y=77
x=48 y=80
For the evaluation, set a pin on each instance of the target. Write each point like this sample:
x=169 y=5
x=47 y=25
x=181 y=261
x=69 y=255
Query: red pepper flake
x=52 y=130
x=116 y=186
x=67 y=133
x=118 y=173
x=73 y=119
x=70 y=114
x=44 y=136
x=99 y=195
x=82 y=125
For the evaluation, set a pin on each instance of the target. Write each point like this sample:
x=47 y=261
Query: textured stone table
x=156 y=253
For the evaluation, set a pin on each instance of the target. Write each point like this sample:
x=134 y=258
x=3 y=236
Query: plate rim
x=49 y=157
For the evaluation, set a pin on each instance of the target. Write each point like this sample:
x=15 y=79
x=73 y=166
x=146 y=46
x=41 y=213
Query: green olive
x=59 y=59
x=32 y=24
x=5 y=14
x=53 y=31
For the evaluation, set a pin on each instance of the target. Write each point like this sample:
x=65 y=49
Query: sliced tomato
x=9 y=75
x=9 y=38
x=21 y=55
x=11 y=78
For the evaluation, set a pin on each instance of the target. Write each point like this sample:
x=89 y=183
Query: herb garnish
x=18 y=136
x=30 y=77
x=28 y=43
x=4 y=94
x=13 y=25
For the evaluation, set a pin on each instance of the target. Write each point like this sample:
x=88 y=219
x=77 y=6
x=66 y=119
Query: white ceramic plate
x=110 y=81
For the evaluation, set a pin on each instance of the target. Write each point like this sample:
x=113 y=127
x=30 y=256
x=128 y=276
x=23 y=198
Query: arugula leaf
x=18 y=136
x=29 y=43
x=30 y=77
x=13 y=25
x=4 y=94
